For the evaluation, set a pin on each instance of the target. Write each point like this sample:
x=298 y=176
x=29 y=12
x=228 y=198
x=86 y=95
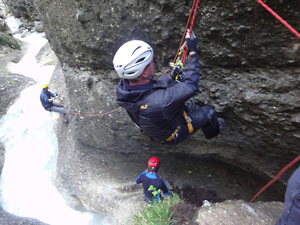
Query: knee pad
x=210 y=112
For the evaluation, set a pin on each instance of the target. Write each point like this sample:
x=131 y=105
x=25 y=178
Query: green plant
x=157 y=213
x=9 y=41
x=5 y=72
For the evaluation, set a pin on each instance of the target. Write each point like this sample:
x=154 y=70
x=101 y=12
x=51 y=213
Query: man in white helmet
x=158 y=106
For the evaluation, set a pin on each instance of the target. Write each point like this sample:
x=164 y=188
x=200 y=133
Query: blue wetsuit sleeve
x=138 y=181
x=165 y=189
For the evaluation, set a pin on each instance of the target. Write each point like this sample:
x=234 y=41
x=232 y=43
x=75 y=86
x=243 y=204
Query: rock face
x=7 y=218
x=21 y=8
x=239 y=212
x=10 y=87
x=249 y=74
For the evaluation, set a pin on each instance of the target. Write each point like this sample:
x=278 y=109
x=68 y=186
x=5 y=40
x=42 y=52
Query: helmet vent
x=135 y=50
x=140 y=60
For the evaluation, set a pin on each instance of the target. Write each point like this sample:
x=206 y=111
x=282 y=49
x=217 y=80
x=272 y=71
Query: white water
x=27 y=182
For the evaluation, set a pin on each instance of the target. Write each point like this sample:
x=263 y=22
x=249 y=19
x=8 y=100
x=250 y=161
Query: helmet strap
x=151 y=75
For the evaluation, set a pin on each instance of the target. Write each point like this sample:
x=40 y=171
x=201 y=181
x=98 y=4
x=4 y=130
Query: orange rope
x=277 y=177
x=193 y=10
x=279 y=18
x=79 y=114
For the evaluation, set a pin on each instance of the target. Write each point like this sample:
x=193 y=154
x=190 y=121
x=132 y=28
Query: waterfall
x=27 y=132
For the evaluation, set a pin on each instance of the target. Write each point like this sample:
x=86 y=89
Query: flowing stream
x=27 y=132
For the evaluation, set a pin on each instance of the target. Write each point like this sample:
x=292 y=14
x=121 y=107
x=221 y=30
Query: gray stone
x=237 y=212
x=39 y=27
x=9 y=219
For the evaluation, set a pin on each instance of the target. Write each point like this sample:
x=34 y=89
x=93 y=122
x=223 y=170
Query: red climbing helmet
x=153 y=162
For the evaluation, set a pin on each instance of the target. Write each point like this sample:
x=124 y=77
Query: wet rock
x=22 y=9
x=238 y=212
x=4 y=28
x=38 y=27
x=2 y=157
x=7 y=218
x=10 y=87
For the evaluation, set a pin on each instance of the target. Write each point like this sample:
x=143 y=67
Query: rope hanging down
x=182 y=45
x=277 y=177
x=279 y=18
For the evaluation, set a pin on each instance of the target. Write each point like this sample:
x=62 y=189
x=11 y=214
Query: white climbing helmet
x=132 y=58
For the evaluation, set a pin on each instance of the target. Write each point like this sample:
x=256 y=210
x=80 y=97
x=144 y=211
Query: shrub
x=157 y=213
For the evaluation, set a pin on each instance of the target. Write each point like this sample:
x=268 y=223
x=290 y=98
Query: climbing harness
x=189 y=122
x=174 y=135
x=279 y=18
x=277 y=177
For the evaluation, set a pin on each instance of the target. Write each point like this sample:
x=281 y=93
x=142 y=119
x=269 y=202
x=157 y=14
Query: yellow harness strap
x=173 y=136
x=189 y=122
x=189 y=125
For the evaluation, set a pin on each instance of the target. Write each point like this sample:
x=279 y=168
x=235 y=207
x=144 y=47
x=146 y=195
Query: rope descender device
x=178 y=71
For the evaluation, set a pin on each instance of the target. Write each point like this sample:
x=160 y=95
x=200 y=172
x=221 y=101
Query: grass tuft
x=158 y=213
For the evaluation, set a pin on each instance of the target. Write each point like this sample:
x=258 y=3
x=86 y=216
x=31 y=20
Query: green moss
x=9 y=41
x=5 y=72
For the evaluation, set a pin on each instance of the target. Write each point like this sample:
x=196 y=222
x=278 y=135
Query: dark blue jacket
x=44 y=97
x=291 y=213
x=157 y=106
x=148 y=179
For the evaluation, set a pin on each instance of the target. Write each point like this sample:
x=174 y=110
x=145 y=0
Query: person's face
x=150 y=69
x=152 y=66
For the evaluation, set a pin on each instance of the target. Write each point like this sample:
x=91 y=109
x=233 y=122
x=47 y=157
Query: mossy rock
x=9 y=41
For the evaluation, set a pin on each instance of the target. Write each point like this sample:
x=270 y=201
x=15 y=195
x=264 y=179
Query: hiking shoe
x=221 y=123
x=189 y=105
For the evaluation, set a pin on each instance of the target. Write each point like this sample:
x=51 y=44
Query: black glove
x=191 y=44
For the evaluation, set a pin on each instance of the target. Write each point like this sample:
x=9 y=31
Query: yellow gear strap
x=173 y=136
x=189 y=122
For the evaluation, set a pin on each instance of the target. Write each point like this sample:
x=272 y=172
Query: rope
x=279 y=18
x=79 y=114
x=277 y=177
x=191 y=29
x=297 y=158
x=192 y=13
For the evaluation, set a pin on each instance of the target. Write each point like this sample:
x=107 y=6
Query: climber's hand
x=129 y=187
x=191 y=42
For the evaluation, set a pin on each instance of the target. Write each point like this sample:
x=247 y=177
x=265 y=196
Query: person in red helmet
x=153 y=184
